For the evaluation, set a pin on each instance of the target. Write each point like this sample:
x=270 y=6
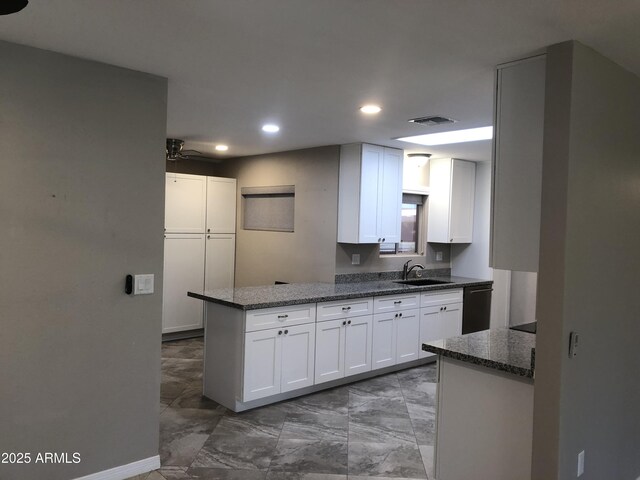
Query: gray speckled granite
x=251 y=298
x=381 y=276
x=500 y=348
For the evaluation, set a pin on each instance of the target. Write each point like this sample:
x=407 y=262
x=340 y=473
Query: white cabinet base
x=484 y=423
x=223 y=363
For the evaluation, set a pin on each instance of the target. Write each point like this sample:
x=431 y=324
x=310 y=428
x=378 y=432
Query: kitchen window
x=411 y=228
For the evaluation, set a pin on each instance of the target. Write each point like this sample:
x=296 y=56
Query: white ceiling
x=308 y=65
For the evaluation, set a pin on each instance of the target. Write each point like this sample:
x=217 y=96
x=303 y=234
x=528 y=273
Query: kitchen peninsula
x=484 y=423
x=268 y=343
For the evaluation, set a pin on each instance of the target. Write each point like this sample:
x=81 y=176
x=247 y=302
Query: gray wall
x=308 y=254
x=589 y=270
x=81 y=205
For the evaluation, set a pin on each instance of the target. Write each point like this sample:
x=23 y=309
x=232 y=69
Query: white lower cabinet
x=384 y=340
x=296 y=346
x=343 y=348
x=357 y=350
x=408 y=336
x=396 y=338
x=439 y=322
x=278 y=360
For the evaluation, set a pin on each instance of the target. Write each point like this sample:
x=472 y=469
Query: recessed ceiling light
x=370 y=109
x=455 y=136
x=222 y=148
x=270 y=128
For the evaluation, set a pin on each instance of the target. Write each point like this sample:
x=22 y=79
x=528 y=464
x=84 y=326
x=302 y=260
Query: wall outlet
x=580 y=463
x=355 y=259
x=438 y=256
x=143 y=284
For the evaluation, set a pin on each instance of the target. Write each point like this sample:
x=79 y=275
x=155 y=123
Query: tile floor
x=381 y=428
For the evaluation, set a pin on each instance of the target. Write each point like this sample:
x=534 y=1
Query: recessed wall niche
x=268 y=208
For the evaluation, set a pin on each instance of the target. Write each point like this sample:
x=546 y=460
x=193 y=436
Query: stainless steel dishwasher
x=476 y=311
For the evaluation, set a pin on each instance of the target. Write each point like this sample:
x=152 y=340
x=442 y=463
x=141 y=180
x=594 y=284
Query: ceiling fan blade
x=187 y=152
x=202 y=157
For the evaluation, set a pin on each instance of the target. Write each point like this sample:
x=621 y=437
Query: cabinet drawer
x=442 y=297
x=344 y=308
x=394 y=303
x=279 y=316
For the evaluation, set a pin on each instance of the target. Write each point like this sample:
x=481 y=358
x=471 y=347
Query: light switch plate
x=355 y=259
x=143 y=284
x=438 y=256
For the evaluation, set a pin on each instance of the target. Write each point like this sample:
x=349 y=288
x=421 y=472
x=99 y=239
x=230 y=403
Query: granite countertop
x=500 y=348
x=251 y=298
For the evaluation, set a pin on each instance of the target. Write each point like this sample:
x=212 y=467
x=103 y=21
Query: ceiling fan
x=176 y=152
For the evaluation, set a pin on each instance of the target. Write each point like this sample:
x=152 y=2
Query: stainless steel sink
x=419 y=282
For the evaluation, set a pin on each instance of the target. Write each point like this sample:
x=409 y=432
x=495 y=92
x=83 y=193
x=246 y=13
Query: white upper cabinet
x=451 y=199
x=185 y=203
x=517 y=165
x=369 y=194
x=221 y=205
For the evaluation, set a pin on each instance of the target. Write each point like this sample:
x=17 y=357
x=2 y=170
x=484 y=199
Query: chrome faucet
x=406 y=270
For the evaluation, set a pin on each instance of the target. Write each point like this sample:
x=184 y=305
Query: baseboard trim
x=125 y=471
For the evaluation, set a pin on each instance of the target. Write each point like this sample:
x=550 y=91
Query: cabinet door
x=390 y=195
x=439 y=322
x=357 y=356
x=221 y=205
x=185 y=203
x=429 y=325
x=370 y=179
x=463 y=187
x=408 y=336
x=220 y=261
x=384 y=340
x=262 y=364
x=298 y=355
x=439 y=196
x=517 y=165
x=330 y=347
x=183 y=271
x=451 y=320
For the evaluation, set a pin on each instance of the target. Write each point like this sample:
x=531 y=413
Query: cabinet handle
x=451 y=240
x=440 y=308
x=208 y=236
x=399 y=314
x=286 y=331
x=397 y=302
x=379 y=240
x=344 y=323
x=396 y=315
x=208 y=229
x=349 y=322
x=445 y=308
x=283 y=316
x=346 y=309
x=280 y=332
x=383 y=239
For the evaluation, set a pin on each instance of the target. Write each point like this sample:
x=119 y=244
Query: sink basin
x=419 y=282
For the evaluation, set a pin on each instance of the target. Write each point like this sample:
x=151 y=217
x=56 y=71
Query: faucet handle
x=406 y=264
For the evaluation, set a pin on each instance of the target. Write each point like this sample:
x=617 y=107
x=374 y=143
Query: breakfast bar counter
x=484 y=413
